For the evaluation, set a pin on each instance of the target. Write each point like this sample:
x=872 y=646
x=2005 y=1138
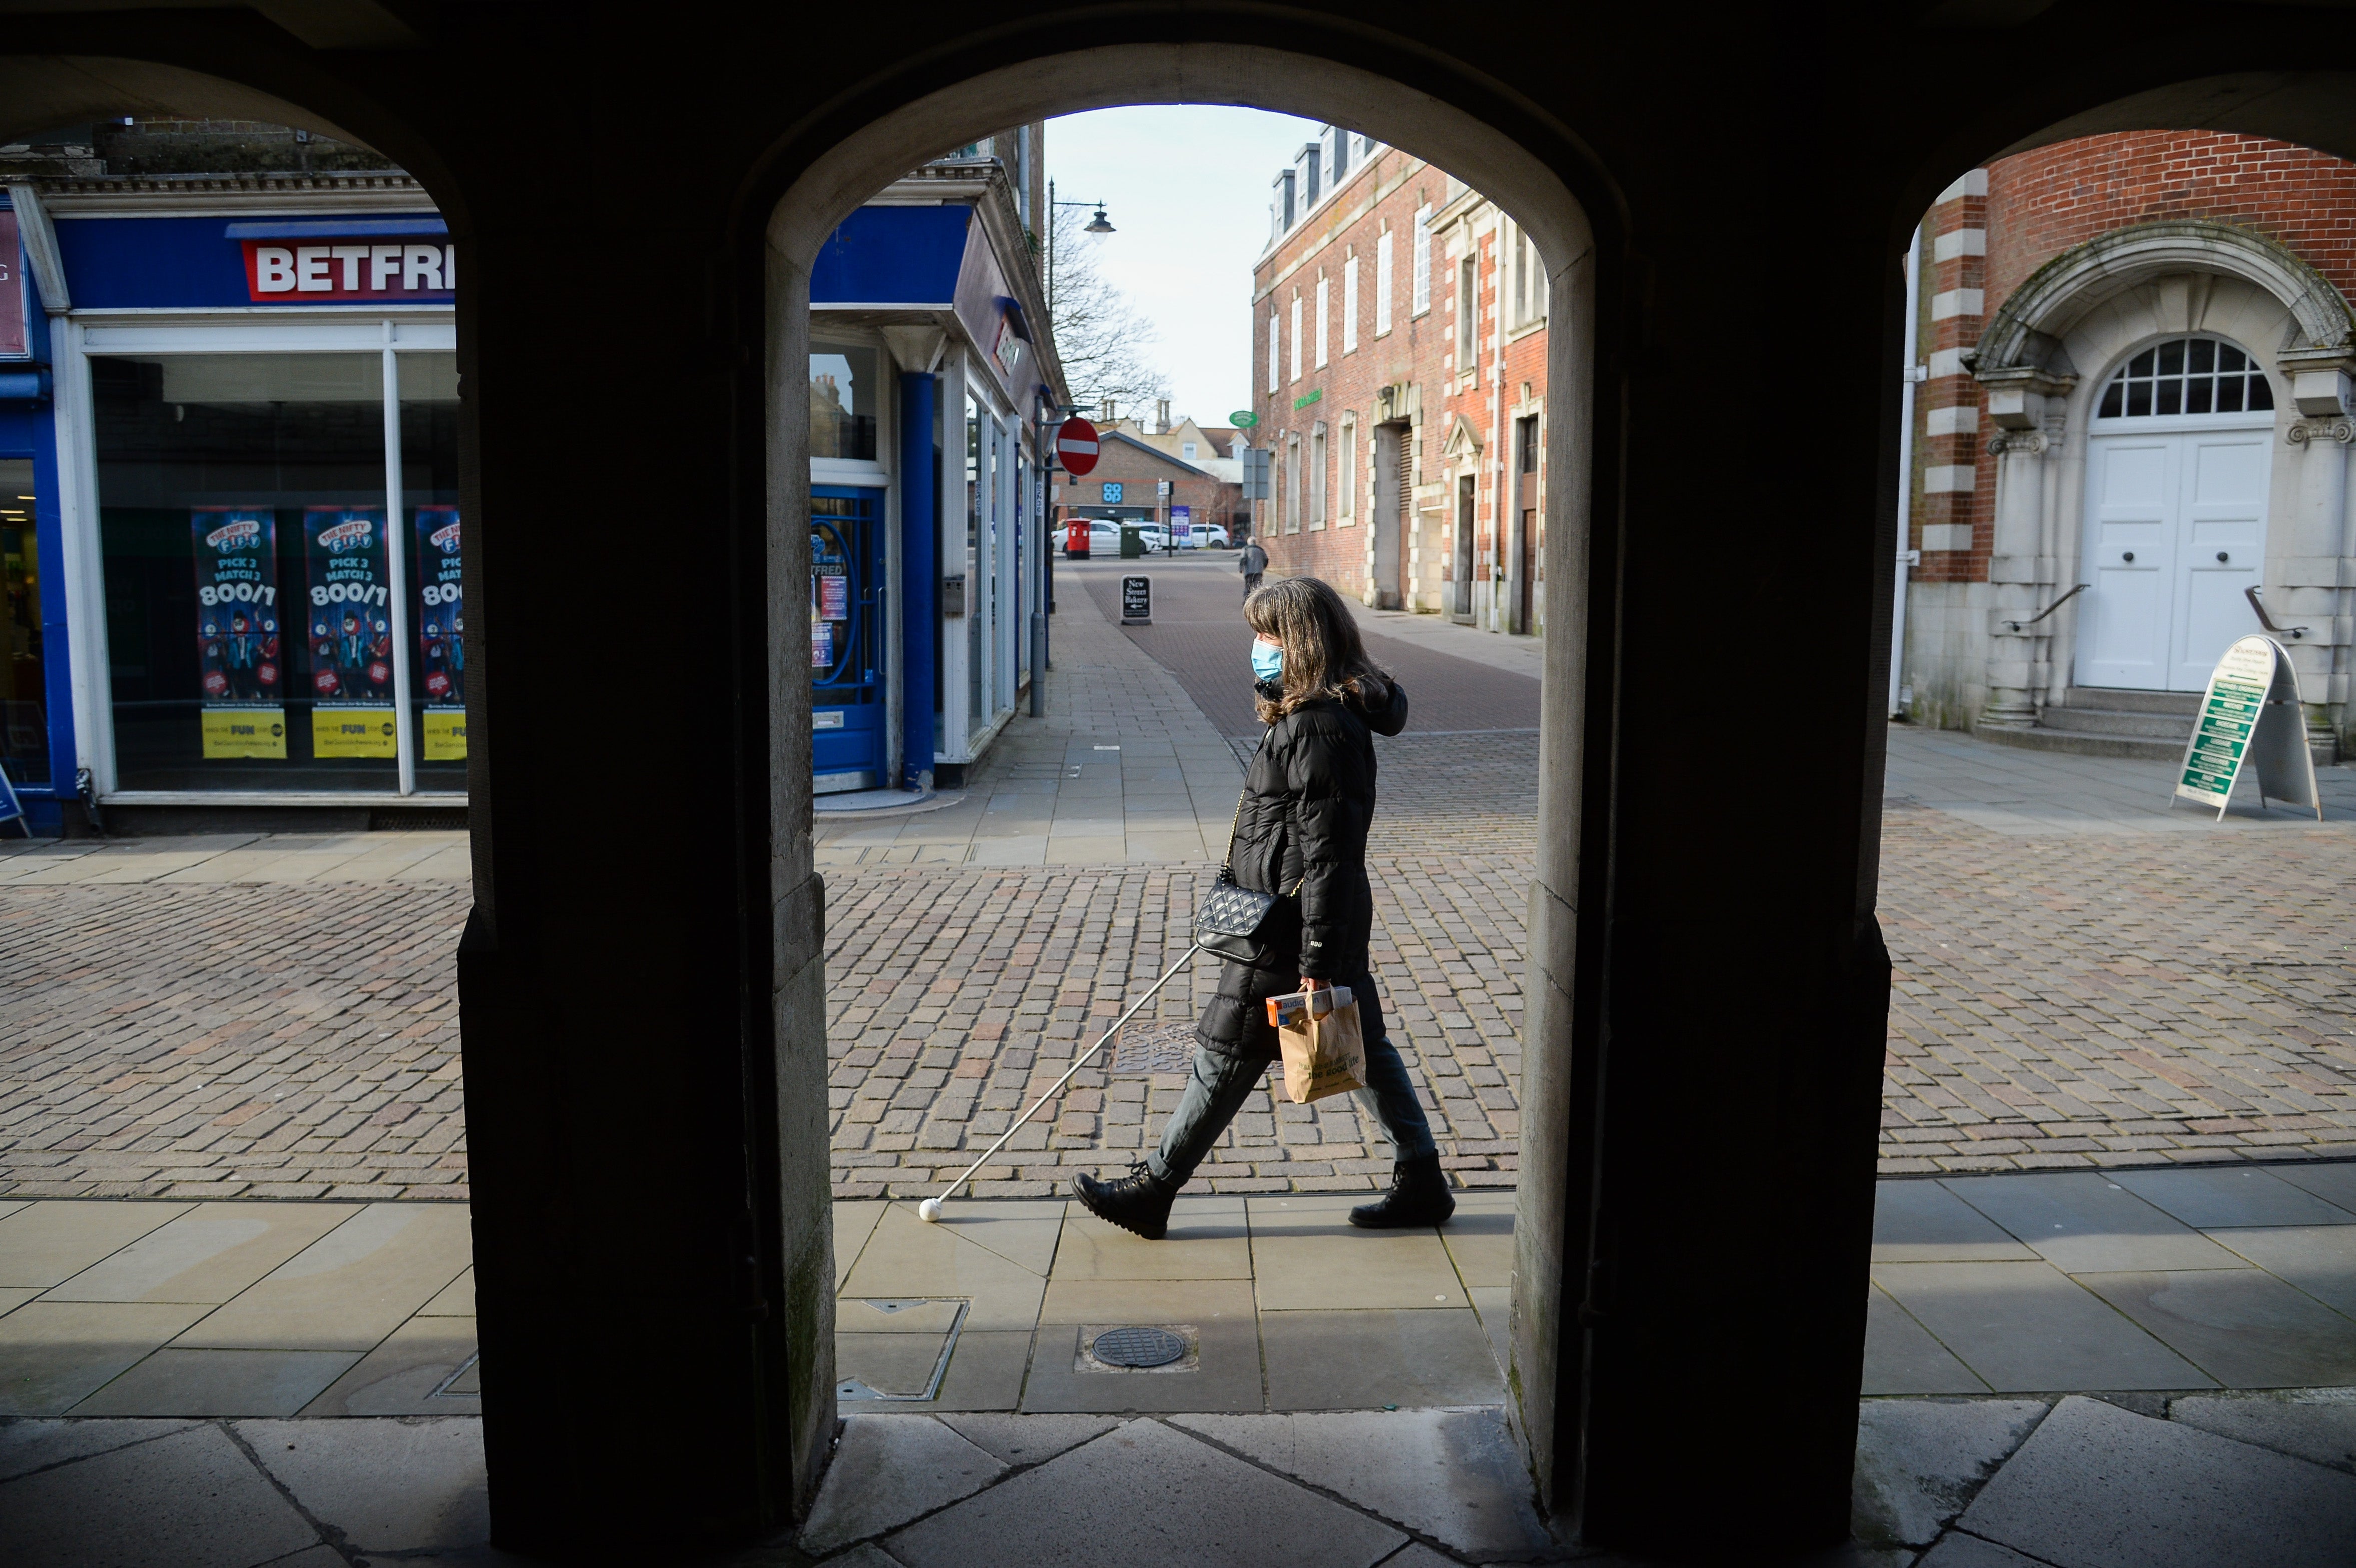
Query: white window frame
x=1275 y=351
x=1320 y=460
x=1422 y=240
x=1296 y=335
x=1291 y=484
x=77 y=340
x=1347 y=512
x=1325 y=321
x=1350 y=305
x=1383 y=273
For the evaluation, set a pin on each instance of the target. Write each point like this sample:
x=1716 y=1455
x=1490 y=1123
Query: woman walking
x=1300 y=830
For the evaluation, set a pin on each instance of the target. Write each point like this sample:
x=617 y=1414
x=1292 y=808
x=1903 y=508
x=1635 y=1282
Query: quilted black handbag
x=1234 y=922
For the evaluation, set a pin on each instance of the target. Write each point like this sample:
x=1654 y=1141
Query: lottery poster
x=241 y=661
x=442 y=635
x=348 y=632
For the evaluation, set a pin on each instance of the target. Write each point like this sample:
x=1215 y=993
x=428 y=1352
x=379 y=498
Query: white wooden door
x=2176 y=528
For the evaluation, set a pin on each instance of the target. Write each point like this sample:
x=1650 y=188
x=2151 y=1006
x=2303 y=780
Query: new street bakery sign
x=2251 y=713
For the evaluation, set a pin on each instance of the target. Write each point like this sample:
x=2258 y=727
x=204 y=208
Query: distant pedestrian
x=1299 y=833
x=1251 y=563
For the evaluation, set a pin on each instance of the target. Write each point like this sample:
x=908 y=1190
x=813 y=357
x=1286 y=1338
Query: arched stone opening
x=1540 y=197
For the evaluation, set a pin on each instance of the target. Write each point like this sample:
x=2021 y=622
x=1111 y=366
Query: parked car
x=1211 y=536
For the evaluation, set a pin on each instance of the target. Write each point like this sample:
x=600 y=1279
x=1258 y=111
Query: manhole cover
x=1146 y=1047
x=1138 y=1348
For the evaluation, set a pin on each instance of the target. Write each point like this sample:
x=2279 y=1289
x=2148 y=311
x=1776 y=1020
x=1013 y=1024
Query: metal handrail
x=2268 y=621
x=2016 y=625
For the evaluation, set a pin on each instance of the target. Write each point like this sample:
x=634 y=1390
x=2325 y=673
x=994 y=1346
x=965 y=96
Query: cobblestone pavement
x=2115 y=998
x=2082 y=977
x=259 y=1040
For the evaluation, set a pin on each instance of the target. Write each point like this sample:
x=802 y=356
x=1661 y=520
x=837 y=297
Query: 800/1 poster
x=240 y=660
x=349 y=631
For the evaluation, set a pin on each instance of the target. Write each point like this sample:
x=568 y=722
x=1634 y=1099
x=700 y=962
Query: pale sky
x=1187 y=187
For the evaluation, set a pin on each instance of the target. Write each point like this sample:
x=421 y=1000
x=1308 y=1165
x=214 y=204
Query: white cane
x=929 y=1210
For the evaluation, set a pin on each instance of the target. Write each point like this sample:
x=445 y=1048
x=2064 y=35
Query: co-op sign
x=381 y=261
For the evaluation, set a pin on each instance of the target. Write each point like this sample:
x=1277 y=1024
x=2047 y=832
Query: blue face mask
x=1268 y=659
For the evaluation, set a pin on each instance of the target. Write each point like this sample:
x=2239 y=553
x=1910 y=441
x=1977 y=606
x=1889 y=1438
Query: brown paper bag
x=1325 y=1053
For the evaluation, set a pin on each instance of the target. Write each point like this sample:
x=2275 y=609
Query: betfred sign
x=377 y=270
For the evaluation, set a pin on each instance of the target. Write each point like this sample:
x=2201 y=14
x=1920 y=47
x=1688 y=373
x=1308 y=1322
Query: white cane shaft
x=1078 y=1063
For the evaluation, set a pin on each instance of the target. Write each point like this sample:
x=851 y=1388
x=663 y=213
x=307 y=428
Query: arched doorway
x=1538 y=194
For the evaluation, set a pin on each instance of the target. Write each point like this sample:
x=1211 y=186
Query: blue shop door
x=846 y=639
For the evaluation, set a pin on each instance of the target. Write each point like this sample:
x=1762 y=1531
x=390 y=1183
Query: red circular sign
x=1075 y=445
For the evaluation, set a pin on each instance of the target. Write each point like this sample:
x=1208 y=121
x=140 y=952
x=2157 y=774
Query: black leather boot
x=1139 y=1202
x=1418 y=1195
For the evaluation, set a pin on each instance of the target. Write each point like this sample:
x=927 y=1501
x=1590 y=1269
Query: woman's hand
x=1309 y=985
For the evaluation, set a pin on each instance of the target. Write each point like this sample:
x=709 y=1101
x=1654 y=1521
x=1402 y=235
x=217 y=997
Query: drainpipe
x=1909 y=375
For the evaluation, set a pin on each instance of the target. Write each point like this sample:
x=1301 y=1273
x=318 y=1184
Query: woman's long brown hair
x=1323 y=655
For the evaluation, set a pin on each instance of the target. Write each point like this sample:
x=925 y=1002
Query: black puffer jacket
x=1308 y=796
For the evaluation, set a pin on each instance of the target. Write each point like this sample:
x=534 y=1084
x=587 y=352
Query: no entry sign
x=1075 y=445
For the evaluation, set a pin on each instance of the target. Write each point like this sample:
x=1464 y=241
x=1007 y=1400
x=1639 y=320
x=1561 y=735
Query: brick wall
x=1415 y=357
x=2023 y=211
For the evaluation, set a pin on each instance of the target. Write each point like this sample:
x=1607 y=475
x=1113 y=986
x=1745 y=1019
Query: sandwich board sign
x=2250 y=714
x=1137 y=601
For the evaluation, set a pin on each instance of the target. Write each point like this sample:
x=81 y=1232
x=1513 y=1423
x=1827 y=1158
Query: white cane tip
x=929 y=1210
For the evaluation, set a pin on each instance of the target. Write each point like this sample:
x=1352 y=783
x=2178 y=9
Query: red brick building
x=2133 y=362
x=1124 y=485
x=1399 y=381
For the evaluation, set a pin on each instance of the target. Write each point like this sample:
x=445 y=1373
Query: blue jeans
x=1219 y=1084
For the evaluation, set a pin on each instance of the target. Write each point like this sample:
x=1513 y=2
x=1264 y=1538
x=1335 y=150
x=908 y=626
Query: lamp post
x=1098 y=225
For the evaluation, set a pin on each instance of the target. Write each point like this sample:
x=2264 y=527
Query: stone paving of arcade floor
x=2114 y=1247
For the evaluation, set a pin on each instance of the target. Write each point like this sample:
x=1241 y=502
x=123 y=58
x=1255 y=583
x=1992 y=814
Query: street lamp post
x=1098 y=225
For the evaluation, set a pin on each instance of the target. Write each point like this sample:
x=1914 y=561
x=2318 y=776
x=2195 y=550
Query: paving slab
x=2315 y=1425
x=47 y=1243
x=2208 y=1200
x=219 y=1383
x=1146 y=1496
x=1224 y=1374
x=888 y=1470
x=1306 y=1254
x=1479 y=1239
x=2029 y=1329
x=55 y=1355
x=188 y=1500
x=416 y=1371
x=1450 y=1476
x=1920 y=1462
x=2319 y=1259
x=906 y=1257
x=853 y=1224
x=2088 y=1224
x=1365 y=1359
x=350 y=1288
x=1921 y=1222
x=210 y=1254
x=1208 y=1239
x=29 y=1445
x=2333 y=1181
x=2245 y=1327
x=2098 y=1486
x=1021 y=1440
x=1901 y=1357
x=1959 y=1550
x=337 y=1471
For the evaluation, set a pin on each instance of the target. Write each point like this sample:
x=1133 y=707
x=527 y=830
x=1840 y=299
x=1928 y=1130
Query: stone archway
x=1558 y=228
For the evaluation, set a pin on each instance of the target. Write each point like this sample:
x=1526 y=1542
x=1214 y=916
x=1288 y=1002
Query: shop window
x=978 y=530
x=437 y=613
x=846 y=390
x=23 y=712
x=2187 y=376
x=272 y=584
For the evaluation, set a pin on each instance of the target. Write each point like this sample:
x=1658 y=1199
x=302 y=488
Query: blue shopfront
x=241 y=449
x=929 y=379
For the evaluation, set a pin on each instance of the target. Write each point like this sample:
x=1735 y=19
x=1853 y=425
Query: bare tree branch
x=1106 y=347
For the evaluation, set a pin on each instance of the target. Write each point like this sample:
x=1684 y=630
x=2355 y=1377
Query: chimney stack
x=1162 y=415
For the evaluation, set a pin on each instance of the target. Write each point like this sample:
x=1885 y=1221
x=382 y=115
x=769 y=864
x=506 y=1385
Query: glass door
x=847 y=668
